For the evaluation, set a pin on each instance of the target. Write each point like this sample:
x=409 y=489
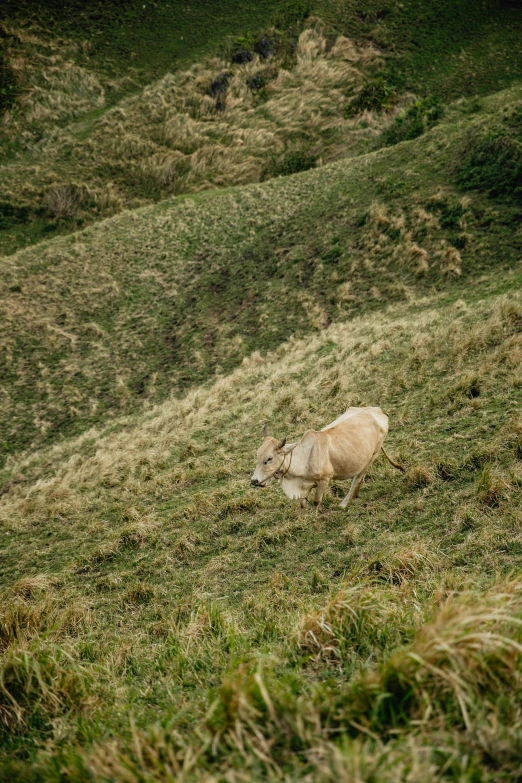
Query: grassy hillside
x=63 y=65
x=332 y=220
x=81 y=140
x=217 y=124
x=147 y=583
x=446 y=47
x=153 y=301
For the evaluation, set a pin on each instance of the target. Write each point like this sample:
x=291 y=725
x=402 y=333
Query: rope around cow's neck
x=278 y=471
x=282 y=475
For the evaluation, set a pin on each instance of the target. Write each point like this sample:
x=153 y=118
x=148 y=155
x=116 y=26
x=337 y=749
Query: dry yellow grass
x=136 y=460
x=54 y=87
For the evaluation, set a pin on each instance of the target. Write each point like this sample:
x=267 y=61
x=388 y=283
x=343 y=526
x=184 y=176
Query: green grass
x=150 y=37
x=447 y=48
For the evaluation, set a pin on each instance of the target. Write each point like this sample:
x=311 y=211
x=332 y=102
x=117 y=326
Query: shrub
x=266 y=47
x=374 y=95
x=493 y=163
x=414 y=121
x=242 y=56
x=10 y=215
x=449 y=212
x=62 y=202
x=290 y=162
x=257 y=81
x=219 y=85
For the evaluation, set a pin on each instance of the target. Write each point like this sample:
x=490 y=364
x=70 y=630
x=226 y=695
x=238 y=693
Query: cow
x=344 y=449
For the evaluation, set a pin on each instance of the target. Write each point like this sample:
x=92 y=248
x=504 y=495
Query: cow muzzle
x=256 y=483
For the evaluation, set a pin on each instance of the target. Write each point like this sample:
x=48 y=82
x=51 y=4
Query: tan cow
x=344 y=449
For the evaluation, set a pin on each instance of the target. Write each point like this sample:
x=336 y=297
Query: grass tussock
x=420 y=476
x=492 y=486
x=21 y=621
x=38 y=684
x=459 y=662
x=401 y=565
x=32 y=586
x=355 y=621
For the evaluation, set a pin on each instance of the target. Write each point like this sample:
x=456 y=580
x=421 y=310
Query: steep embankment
x=155 y=300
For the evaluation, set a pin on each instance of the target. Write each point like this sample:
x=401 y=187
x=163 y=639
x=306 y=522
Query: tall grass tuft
x=354 y=622
x=38 y=683
x=461 y=663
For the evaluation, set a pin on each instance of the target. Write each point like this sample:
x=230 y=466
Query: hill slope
x=146 y=576
x=154 y=300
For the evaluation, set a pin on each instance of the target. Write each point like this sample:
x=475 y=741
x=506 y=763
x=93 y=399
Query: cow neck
x=278 y=471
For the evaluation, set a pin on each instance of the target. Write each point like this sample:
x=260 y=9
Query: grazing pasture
x=144 y=576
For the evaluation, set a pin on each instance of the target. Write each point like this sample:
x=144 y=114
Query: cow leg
x=319 y=492
x=354 y=489
x=358 y=487
x=303 y=503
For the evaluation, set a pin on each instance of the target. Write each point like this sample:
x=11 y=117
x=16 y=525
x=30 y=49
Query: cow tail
x=395 y=464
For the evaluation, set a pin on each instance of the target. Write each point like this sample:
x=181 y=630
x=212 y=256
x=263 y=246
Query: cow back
x=354 y=439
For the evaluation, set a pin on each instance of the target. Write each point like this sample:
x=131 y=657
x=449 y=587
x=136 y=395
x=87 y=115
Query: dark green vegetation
x=493 y=157
x=375 y=95
x=448 y=48
x=151 y=37
x=414 y=121
x=160 y=620
x=8 y=88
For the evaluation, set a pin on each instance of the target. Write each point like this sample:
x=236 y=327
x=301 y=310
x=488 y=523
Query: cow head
x=270 y=458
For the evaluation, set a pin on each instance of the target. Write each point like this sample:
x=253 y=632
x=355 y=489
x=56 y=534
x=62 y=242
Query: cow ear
x=281 y=444
x=265 y=431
